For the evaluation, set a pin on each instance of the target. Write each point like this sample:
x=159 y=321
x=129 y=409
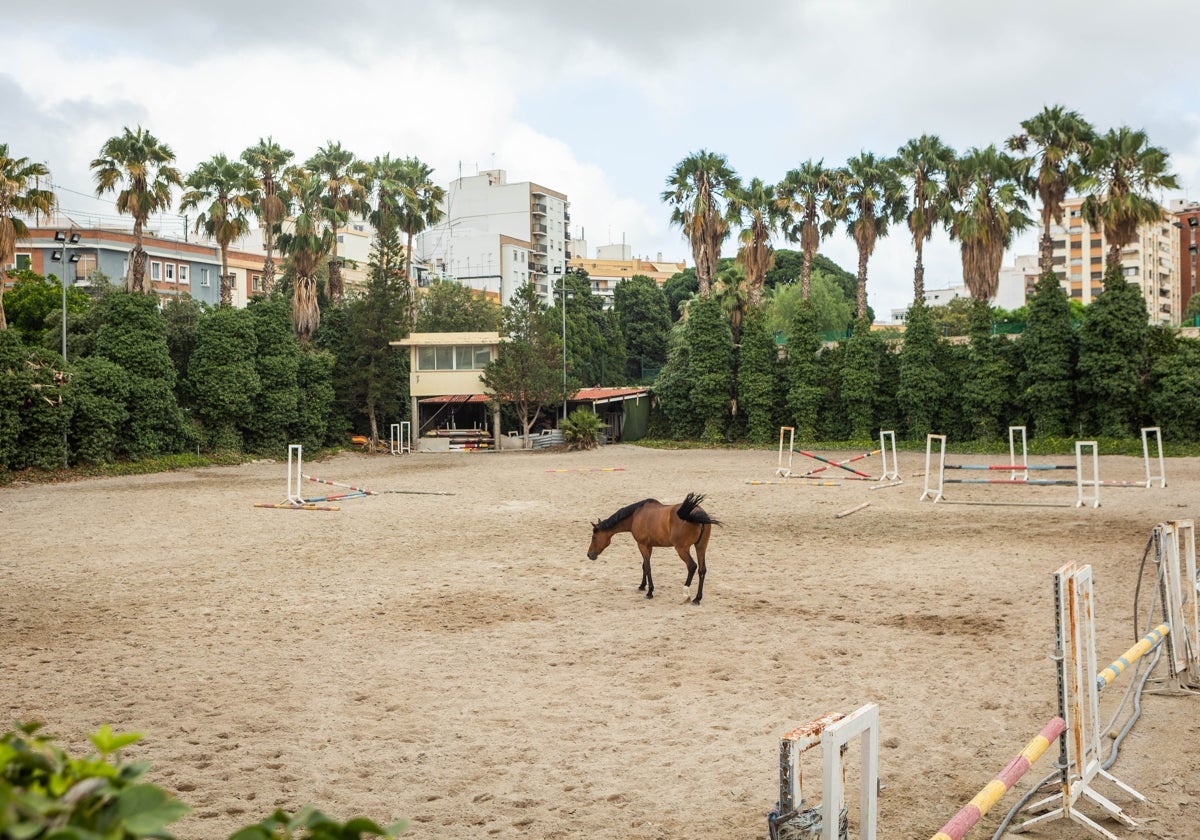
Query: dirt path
x=458 y=661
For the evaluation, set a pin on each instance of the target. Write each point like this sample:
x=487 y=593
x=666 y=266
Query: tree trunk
x=919 y=273
x=862 y=285
x=806 y=275
x=268 y=273
x=408 y=278
x=335 y=281
x=137 y=281
x=3 y=320
x=1046 y=252
x=226 y=279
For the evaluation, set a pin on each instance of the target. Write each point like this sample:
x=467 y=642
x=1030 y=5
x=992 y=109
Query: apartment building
x=614 y=263
x=496 y=236
x=1187 y=221
x=1151 y=262
x=82 y=255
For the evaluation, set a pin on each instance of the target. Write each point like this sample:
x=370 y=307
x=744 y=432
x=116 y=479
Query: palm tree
x=420 y=205
x=268 y=159
x=805 y=201
x=986 y=188
x=142 y=164
x=732 y=290
x=923 y=164
x=1060 y=139
x=382 y=183
x=20 y=195
x=307 y=241
x=1122 y=168
x=873 y=197
x=230 y=190
x=696 y=192
x=344 y=194
x=753 y=209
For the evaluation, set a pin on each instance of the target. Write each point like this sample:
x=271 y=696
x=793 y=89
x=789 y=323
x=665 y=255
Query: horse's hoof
x=695 y=602
x=649 y=594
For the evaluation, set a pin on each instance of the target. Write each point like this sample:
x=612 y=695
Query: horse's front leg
x=647 y=578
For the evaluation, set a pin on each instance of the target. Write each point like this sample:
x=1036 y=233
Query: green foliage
x=222 y=380
x=33 y=411
x=951 y=318
x=1048 y=351
x=33 y=307
x=596 y=353
x=986 y=392
x=581 y=429
x=922 y=386
x=1112 y=358
x=711 y=367
x=644 y=316
x=804 y=387
x=526 y=372
x=860 y=380
x=132 y=335
x=181 y=318
x=756 y=379
x=268 y=425
x=834 y=312
x=674 y=392
x=45 y=793
x=99 y=395
x=314 y=379
x=1174 y=402
x=447 y=306
x=679 y=287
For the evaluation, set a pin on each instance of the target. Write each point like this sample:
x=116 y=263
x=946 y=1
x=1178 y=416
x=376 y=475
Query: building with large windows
x=497 y=236
x=1151 y=262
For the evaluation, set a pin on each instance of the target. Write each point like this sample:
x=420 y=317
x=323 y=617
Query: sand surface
x=456 y=660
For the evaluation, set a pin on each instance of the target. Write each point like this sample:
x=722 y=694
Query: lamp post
x=564 y=344
x=65 y=239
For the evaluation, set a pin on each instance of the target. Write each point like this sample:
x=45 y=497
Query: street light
x=564 y=344
x=63 y=255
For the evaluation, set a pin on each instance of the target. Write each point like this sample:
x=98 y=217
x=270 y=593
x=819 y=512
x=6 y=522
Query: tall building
x=1187 y=220
x=614 y=263
x=1150 y=262
x=497 y=236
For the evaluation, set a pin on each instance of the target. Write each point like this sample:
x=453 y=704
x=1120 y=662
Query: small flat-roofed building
x=446 y=386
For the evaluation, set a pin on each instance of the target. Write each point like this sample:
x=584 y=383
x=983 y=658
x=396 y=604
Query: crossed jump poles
x=887 y=450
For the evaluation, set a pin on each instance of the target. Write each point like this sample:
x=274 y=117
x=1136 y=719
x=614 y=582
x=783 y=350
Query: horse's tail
x=690 y=511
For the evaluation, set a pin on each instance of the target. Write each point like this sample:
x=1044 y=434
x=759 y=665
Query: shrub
x=581 y=429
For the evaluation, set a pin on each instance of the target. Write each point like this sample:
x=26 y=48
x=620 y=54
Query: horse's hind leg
x=647 y=578
x=701 y=550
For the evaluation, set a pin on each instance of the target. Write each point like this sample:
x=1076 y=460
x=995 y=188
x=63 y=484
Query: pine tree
x=526 y=372
x=922 y=387
x=1112 y=357
x=756 y=378
x=805 y=391
x=711 y=346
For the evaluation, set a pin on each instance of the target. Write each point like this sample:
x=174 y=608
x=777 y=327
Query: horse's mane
x=623 y=513
x=689 y=511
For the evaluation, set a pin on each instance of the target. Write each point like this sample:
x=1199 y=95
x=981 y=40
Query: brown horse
x=654 y=524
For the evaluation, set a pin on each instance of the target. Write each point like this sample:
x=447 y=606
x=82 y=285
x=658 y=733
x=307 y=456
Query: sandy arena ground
x=456 y=659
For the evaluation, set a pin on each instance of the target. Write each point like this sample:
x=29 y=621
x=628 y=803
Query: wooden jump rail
x=973 y=811
x=889 y=475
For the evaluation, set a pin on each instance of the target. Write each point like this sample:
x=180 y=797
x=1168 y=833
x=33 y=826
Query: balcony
x=567 y=235
x=538 y=229
x=1166 y=307
x=541 y=249
x=538 y=209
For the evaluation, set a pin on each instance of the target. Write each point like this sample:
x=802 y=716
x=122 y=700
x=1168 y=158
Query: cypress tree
x=987 y=390
x=1112 y=357
x=921 y=389
x=805 y=390
x=711 y=346
x=1048 y=348
x=756 y=378
x=861 y=380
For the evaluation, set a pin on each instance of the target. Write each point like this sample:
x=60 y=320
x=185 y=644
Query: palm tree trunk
x=862 y=285
x=335 y=273
x=806 y=275
x=135 y=281
x=1046 y=251
x=226 y=278
x=3 y=320
x=919 y=273
x=306 y=312
x=408 y=278
x=268 y=279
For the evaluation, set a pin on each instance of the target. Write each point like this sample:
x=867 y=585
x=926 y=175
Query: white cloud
x=598 y=102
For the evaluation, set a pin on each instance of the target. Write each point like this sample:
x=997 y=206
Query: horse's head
x=600 y=541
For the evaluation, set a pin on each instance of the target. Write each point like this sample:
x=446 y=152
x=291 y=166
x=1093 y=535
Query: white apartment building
x=1013 y=286
x=497 y=236
x=1151 y=262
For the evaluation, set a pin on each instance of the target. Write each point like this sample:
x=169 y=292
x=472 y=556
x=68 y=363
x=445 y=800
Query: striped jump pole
x=1147 y=643
x=839 y=464
x=290 y=506
x=362 y=490
x=974 y=810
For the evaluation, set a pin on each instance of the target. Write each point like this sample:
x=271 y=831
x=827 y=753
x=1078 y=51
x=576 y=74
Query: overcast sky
x=597 y=100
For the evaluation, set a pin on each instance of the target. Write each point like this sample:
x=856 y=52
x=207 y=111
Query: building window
x=169 y=272
x=454 y=357
x=183 y=275
x=22 y=261
x=155 y=270
x=204 y=277
x=256 y=284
